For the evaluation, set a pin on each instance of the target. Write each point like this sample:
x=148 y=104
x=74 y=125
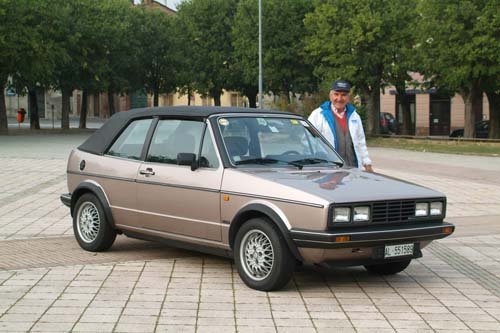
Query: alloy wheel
x=89 y=222
x=257 y=255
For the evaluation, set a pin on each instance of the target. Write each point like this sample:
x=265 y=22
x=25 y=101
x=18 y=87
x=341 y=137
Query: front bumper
x=371 y=236
x=66 y=199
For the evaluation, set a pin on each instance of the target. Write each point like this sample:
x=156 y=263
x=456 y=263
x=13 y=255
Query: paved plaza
x=49 y=284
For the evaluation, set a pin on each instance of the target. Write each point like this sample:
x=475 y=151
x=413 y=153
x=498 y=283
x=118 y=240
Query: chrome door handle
x=147 y=172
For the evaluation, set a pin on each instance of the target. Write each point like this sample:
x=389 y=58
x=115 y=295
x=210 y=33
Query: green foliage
x=120 y=45
x=458 y=41
x=28 y=49
x=459 y=49
x=208 y=33
x=159 y=53
x=283 y=61
x=347 y=39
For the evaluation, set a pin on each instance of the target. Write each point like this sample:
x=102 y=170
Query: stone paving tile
x=256 y=329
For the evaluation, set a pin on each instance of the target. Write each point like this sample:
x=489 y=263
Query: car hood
x=339 y=185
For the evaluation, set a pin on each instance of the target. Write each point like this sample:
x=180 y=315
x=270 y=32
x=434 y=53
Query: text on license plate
x=398 y=250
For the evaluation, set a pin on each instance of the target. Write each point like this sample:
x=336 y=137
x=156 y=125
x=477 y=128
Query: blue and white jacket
x=323 y=119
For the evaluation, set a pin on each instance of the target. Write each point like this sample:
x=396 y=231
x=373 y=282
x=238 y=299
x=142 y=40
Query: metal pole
x=260 y=54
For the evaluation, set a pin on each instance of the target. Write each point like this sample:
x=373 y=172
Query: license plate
x=398 y=250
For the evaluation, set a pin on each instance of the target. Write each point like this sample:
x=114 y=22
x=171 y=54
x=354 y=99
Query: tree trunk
x=189 y=95
x=66 y=94
x=97 y=105
x=156 y=96
x=494 y=102
x=286 y=94
x=372 y=110
x=84 y=110
x=111 y=103
x=251 y=94
x=33 y=109
x=471 y=98
x=4 y=125
x=408 y=128
x=216 y=96
x=404 y=100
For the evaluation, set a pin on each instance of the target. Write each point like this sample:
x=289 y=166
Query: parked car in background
x=388 y=124
x=482 y=129
x=262 y=187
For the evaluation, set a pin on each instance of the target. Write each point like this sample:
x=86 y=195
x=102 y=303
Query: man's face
x=339 y=99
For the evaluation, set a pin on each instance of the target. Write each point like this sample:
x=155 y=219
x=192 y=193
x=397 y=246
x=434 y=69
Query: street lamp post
x=260 y=54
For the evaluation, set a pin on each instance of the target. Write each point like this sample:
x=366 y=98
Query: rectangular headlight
x=436 y=208
x=361 y=214
x=341 y=214
x=421 y=209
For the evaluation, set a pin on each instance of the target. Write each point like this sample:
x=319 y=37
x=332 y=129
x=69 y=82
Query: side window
x=208 y=157
x=129 y=144
x=173 y=136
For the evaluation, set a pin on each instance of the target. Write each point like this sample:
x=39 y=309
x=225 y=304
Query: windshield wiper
x=258 y=161
x=267 y=161
x=305 y=161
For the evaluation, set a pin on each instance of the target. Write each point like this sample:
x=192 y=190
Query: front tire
x=262 y=256
x=90 y=226
x=389 y=268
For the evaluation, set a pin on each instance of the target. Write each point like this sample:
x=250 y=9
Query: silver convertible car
x=262 y=187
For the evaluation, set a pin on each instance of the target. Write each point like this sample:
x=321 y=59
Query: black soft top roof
x=101 y=139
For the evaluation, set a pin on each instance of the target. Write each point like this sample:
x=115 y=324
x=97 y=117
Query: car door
x=118 y=170
x=174 y=200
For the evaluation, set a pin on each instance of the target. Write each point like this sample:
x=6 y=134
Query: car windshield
x=276 y=141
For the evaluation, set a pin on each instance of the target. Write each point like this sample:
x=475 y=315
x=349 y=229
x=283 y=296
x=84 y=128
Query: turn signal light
x=226 y=197
x=447 y=230
x=342 y=239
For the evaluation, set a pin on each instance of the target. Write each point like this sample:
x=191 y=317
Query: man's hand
x=368 y=168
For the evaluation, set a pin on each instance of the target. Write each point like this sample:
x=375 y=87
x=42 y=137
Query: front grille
x=393 y=211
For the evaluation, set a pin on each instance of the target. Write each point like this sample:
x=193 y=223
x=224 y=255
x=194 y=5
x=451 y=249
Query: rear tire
x=262 y=256
x=90 y=226
x=389 y=268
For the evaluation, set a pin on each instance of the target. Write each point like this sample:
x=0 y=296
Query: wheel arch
x=95 y=189
x=255 y=210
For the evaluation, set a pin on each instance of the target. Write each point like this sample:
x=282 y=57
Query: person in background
x=338 y=121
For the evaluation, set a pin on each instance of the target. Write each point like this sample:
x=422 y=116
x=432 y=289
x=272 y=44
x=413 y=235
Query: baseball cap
x=341 y=85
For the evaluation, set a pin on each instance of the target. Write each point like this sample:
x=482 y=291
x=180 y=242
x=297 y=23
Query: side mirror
x=187 y=159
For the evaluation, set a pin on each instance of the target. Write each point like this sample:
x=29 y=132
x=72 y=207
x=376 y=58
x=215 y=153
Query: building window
x=234 y=100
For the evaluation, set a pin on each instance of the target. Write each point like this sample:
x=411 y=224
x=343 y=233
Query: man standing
x=341 y=125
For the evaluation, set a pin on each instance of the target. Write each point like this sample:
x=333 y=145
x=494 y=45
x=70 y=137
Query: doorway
x=439 y=115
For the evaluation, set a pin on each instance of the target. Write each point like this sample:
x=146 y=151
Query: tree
x=121 y=69
x=35 y=66
x=285 y=70
x=490 y=22
x=159 y=52
x=72 y=33
x=208 y=31
x=351 y=39
x=459 y=49
x=28 y=51
x=245 y=36
x=186 y=72
x=401 y=48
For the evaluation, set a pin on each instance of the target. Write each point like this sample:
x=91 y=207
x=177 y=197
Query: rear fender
x=90 y=186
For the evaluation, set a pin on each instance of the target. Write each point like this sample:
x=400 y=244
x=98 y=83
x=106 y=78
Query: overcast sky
x=169 y=3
